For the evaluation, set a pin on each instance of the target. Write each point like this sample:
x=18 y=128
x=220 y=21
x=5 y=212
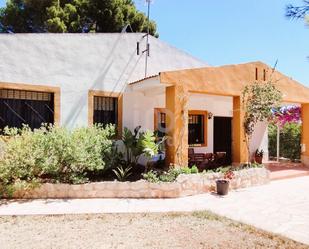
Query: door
x=223 y=136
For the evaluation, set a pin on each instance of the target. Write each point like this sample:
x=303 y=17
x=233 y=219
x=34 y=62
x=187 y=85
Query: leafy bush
x=53 y=153
x=138 y=143
x=290 y=140
x=151 y=176
x=169 y=176
x=226 y=169
x=194 y=170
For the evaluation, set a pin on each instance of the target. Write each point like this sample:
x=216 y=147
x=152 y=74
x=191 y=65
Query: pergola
x=225 y=81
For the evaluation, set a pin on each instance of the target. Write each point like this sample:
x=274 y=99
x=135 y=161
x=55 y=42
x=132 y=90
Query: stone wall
x=185 y=185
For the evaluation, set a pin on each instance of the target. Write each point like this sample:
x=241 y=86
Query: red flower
x=229 y=175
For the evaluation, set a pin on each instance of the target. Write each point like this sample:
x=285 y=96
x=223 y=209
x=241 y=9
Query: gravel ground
x=172 y=230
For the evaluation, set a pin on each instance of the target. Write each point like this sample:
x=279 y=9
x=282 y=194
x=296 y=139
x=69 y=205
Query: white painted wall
x=221 y=106
x=138 y=109
x=79 y=62
x=260 y=139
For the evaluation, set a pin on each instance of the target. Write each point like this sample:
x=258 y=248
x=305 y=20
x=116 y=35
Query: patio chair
x=197 y=159
x=210 y=164
x=220 y=158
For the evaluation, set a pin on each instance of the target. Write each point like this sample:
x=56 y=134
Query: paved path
x=280 y=207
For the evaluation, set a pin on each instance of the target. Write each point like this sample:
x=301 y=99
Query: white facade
x=79 y=62
x=139 y=110
x=220 y=106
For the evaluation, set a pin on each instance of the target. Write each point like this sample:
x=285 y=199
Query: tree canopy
x=72 y=16
x=301 y=11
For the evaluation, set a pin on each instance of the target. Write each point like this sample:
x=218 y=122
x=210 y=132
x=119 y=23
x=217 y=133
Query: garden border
x=185 y=185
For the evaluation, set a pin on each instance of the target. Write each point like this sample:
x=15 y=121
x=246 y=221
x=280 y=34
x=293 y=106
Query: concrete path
x=280 y=207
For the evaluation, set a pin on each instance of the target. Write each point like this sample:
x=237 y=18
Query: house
x=82 y=79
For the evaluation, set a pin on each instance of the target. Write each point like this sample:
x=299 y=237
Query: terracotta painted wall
x=239 y=150
x=177 y=125
x=305 y=134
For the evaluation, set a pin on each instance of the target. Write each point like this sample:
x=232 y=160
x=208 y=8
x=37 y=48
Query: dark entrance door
x=223 y=136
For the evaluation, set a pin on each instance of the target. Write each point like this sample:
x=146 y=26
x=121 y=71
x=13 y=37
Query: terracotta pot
x=222 y=187
x=258 y=159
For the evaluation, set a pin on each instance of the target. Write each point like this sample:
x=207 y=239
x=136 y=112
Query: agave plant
x=122 y=173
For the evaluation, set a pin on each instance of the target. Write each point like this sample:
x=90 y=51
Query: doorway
x=223 y=136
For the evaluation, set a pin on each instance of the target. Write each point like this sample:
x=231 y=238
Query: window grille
x=105 y=110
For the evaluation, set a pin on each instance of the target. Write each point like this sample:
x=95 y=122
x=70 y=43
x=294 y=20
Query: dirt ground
x=171 y=230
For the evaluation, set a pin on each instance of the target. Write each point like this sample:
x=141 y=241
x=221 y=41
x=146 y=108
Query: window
x=20 y=107
x=197 y=130
x=160 y=121
x=105 y=110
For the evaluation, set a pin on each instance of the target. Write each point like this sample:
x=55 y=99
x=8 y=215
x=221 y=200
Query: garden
x=61 y=157
x=58 y=155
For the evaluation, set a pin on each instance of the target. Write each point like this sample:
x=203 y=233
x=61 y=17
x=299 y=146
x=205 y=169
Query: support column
x=239 y=149
x=305 y=134
x=177 y=125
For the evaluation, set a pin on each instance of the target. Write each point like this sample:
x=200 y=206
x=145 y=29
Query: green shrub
x=194 y=170
x=226 y=169
x=290 y=140
x=171 y=175
x=53 y=153
x=138 y=143
x=151 y=176
x=168 y=176
x=183 y=170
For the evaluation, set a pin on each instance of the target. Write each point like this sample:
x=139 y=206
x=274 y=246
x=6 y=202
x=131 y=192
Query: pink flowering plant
x=286 y=115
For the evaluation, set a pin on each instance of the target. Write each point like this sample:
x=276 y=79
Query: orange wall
x=305 y=128
x=230 y=80
x=239 y=149
x=177 y=125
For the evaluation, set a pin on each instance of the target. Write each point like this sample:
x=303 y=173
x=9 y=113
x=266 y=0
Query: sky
x=238 y=31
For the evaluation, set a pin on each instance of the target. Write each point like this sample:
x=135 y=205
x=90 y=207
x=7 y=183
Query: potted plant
x=258 y=157
x=224 y=184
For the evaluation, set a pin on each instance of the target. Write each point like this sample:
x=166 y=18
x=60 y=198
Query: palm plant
x=138 y=143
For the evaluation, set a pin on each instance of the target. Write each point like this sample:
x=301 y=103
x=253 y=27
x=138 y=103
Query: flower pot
x=258 y=159
x=222 y=187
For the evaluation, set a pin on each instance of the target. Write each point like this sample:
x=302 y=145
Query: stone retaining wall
x=185 y=185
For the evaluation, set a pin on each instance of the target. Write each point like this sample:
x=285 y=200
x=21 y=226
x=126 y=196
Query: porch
x=216 y=91
x=286 y=170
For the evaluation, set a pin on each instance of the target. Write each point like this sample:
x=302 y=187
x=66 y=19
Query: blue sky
x=237 y=31
x=229 y=32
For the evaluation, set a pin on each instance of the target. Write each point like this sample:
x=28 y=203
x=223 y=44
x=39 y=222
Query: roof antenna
x=147 y=37
x=275 y=66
